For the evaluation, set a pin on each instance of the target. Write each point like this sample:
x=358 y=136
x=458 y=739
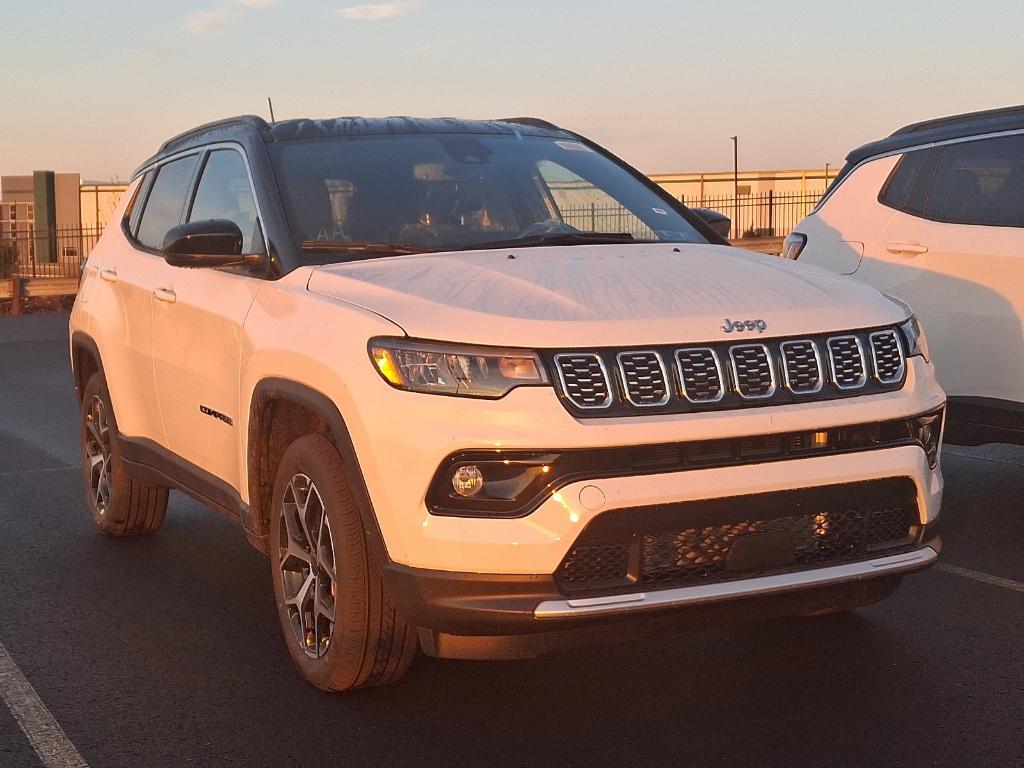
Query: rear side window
x=166 y=201
x=224 y=193
x=907 y=188
x=980 y=182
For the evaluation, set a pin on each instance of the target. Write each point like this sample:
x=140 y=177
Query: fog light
x=468 y=480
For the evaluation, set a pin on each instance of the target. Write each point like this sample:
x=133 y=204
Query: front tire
x=120 y=505
x=339 y=624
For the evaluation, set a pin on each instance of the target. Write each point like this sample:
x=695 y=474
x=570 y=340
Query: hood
x=603 y=295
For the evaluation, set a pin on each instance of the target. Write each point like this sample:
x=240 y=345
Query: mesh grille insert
x=803 y=366
x=847 y=362
x=887 y=356
x=657 y=552
x=752 y=371
x=584 y=380
x=643 y=378
x=700 y=374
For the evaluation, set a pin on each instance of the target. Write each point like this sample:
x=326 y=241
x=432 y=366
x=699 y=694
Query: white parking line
x=45 y=735
x=36 y=471
x=984 y=578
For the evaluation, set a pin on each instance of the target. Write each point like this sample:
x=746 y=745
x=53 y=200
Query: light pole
x=827 y=165
x=735 y=183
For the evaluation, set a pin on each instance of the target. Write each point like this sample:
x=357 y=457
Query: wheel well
x=85 y=364
x=279 y=422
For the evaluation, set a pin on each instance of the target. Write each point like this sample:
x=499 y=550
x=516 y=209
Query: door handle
x=110 y=275
x=165 y=294
x=908 y=249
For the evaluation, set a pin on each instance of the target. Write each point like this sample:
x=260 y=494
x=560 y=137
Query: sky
x=94 y=87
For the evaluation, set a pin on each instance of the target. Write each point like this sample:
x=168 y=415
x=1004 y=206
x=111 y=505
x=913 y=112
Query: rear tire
x=863 y=594
x=120 y=505
x=339 y=623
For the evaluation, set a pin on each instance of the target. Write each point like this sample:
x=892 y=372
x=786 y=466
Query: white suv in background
x=480 y=387
x=934 y=215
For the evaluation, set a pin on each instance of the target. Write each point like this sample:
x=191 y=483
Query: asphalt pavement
x=166 y=651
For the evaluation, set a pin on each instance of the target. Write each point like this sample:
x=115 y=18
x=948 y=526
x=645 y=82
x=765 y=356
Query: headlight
x=793 y=245
x=917 y=344
x=453 y=369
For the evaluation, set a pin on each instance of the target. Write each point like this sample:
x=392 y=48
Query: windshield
x=459 y=191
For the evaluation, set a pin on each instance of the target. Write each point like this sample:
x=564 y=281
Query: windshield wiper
x=558 y=238
x=361 y=248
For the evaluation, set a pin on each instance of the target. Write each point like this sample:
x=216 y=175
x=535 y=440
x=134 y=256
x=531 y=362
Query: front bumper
x=399 y=465
x=464 y=615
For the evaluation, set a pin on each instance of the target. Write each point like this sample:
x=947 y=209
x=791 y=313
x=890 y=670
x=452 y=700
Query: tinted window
x=907 y=189
x=980 y=182
x=458 y=191
x=166 y=201
x=224 y=193
x=139 y=202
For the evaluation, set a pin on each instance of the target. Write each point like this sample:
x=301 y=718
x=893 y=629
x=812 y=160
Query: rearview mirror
x=717 y=221
x=207 y=243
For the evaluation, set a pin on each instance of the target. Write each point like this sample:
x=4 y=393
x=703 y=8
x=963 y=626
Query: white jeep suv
x=480 y=387
x=934 y=214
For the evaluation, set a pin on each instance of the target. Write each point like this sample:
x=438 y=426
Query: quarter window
x=139 y=203
x=907 y=188
x=224 y=193
x=166 y=201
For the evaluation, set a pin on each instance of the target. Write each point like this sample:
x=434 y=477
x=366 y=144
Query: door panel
x=966 y=284
x=197 y=353
x=128 y=276
x=197 y=319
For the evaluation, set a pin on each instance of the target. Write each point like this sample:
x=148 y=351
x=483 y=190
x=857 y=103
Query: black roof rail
x=253 y=121
x=533 y=122
x=965 y=117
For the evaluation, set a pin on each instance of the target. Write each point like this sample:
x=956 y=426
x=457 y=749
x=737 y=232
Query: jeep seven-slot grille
x=700 y=374
x=887 y=356
x=802 y=366
x=753 y=374
x=748 y=373
x=643 y=377
x=584 y=380
x=659 y=547
x=847 y=361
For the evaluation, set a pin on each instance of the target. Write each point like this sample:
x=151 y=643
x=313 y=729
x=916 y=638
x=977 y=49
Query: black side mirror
x=717 y=221
x=207 y=243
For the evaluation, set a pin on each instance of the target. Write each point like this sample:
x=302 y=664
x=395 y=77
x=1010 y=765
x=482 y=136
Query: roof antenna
x=271 y=105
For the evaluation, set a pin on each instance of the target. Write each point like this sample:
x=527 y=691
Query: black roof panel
x=254 y=127
x=942 y=129
x=375 y=126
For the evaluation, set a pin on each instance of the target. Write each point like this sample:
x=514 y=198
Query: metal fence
x=47 y=253
x=769 y=214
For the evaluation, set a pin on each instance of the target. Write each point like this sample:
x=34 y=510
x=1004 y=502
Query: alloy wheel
x=307 y=569
x=97 y=452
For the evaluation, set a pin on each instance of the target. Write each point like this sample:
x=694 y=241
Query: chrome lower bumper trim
x=730 y=590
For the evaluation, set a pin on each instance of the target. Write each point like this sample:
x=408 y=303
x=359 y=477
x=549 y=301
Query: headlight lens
x=793 y=245
x=453 y=369
x=913 y=333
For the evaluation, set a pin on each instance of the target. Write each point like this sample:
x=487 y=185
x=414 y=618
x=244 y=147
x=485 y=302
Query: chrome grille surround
x=888 y=362
x=645 y=382
x=847 y=363
x=584 y=379
x=753 y=371
x=700 y=369
x=801 y=359
x=608 y=382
